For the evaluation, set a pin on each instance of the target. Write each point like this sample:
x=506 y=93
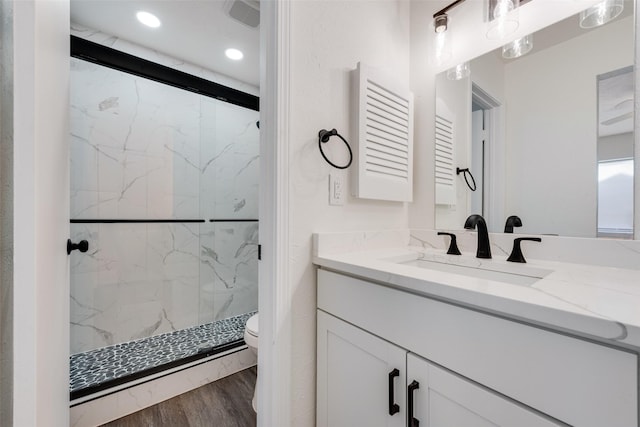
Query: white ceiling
x=193 y=31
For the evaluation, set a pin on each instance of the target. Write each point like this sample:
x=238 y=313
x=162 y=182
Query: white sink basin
x=523 y=276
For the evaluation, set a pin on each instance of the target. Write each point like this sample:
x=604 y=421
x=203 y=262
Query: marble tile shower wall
x=143 y=150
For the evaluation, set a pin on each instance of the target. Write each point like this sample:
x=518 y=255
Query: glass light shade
x=601 y=13
x=505 y=19
x=518 y=47
x=443 y=50
x=459 y=72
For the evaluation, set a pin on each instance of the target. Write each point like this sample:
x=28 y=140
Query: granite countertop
x=596 y=302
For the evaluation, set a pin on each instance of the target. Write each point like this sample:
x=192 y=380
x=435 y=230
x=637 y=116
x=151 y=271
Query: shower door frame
x=114 y=59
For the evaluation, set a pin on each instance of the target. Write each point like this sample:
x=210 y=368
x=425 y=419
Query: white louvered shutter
x=444 y=154
x=383 y=150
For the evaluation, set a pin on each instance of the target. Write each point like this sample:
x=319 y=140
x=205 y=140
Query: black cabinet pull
x=82 y=246
x=412 y=422
x=393 y=407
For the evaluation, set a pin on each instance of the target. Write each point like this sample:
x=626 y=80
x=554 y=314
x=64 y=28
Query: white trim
x=275 y=343
x=495 y=187
x=24 y=263
x=494 y=179
x=41 y=213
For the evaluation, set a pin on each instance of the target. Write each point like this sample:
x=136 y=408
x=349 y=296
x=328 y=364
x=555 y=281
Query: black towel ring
x=323 y=137
x=466 y=172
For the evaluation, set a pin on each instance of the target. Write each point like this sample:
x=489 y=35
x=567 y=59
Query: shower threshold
x=97 y=370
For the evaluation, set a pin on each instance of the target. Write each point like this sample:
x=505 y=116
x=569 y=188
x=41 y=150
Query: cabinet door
x=443 y=399
x=361 y=378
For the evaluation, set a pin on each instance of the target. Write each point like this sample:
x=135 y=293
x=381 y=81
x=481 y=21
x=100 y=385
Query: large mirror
x=547 y=136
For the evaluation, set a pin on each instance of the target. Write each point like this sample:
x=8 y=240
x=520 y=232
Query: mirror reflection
x=546 y=130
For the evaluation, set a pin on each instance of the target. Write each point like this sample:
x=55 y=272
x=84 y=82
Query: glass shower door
x=164 y=188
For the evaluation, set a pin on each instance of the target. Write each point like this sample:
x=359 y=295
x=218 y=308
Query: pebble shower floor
x=105 y=365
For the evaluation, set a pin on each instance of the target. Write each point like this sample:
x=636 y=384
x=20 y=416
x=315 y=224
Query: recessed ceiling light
x=234 y=54
x=148 y=19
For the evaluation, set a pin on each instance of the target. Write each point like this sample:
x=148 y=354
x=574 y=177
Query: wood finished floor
x=224 y=403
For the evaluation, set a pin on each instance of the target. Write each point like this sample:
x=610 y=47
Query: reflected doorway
x=484 y=127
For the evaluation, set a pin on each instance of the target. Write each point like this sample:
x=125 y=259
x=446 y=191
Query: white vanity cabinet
x=473 y=368
x=364 y=380
x=443 y=398
x=361 y=378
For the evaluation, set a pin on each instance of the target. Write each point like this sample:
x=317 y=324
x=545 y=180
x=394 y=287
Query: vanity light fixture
x=234 y=54
x=441 y=19
x=440 y=23
x=442 y=39
x=518 y=47
x=148 y=19
x=601 y=13
x=459 y=72
x=503 y=19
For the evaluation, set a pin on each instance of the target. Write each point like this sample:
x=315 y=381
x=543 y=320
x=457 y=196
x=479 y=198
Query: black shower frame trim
x=118 y=60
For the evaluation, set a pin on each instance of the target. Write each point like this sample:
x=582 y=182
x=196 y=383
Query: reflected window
x=615 y=198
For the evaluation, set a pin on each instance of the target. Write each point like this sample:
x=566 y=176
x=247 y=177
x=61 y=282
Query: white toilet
x=251 y=338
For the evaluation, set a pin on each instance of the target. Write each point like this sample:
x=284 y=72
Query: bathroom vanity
x=409 y=336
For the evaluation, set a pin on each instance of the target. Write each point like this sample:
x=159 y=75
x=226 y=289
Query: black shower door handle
x=82 y=246
x=393 y=406
x=412 y=422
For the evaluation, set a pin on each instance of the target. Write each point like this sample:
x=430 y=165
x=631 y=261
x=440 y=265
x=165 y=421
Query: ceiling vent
x=246 y=12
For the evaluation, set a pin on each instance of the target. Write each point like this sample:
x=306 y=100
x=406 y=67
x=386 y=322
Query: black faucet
x=516 y=252
x=453 y=246
x=512 y=221
x=484 y=249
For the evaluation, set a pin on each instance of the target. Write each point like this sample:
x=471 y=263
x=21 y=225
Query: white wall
x=487 y=71
x=615 y=147
x=327 y=41
x=553 y=144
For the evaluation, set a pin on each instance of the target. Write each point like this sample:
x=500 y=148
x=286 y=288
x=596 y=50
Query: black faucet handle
x=516 y=253
x=512 y=221
x=453 y=246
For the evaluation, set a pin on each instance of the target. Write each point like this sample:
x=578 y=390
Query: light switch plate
x=336 y=189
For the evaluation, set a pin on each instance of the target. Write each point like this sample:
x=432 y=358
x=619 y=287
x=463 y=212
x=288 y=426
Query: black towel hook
x=323 y=137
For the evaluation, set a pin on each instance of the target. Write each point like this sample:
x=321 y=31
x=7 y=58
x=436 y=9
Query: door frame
x=39 y=286
x=494 y=173
x=275 y=338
